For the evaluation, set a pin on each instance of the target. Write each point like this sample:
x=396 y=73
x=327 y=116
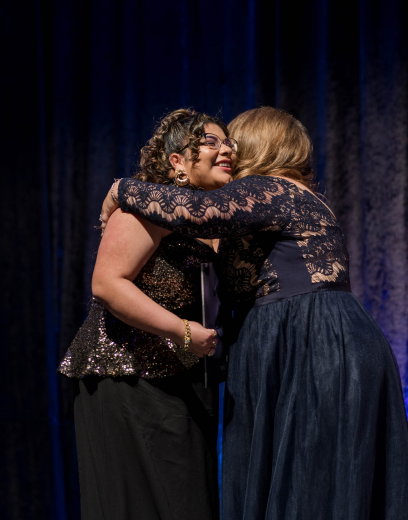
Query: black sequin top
x=106 y=346
x=279 y=240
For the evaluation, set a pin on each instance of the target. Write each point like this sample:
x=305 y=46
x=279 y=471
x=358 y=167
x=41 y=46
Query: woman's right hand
x=202 y=340
x=109 y=206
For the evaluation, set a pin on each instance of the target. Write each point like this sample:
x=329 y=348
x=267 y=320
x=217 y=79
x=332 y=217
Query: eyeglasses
x=214 y=142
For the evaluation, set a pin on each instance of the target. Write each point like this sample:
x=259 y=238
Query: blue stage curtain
x=82 y=86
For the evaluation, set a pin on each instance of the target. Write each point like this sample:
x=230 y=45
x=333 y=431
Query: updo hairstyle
x=181 y=127
x=273 y=142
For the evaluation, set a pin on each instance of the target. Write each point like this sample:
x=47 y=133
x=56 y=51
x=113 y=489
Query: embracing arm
x=238 y=208
x=127 y=244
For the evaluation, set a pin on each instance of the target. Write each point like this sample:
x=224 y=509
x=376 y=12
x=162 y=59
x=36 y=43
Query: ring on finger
x=211 y=352
x=214 y=333
x=100 y=218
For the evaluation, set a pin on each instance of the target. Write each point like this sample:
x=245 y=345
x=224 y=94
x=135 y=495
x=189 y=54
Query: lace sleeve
x=238 y=208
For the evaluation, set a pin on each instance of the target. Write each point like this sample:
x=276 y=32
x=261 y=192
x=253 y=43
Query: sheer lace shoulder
x=239 y=208
x=268 y=223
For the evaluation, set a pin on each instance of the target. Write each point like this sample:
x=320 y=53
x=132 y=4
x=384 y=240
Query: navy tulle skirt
x=315 y=426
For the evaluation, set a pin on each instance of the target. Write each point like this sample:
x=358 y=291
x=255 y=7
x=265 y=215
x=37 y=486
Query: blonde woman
x=315 y=426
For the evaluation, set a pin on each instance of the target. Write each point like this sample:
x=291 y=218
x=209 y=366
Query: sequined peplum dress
x=146 y=427
x=315 y=426
x=105 y=346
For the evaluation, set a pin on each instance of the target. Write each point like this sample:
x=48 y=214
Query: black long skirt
x=147 y=449
x=315 y=426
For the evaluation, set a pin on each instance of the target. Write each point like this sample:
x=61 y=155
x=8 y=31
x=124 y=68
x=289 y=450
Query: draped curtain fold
x=84 y=83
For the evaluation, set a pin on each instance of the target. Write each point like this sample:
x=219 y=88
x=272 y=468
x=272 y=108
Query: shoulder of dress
x=261 y=181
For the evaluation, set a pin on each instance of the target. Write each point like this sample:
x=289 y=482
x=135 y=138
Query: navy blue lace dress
x=315 y=426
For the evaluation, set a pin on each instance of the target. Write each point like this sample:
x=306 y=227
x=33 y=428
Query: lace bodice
x=278 y=237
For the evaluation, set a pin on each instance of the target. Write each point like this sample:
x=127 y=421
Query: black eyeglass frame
x=220 y=142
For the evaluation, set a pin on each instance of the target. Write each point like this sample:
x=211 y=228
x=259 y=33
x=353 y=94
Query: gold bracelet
x=187 y=336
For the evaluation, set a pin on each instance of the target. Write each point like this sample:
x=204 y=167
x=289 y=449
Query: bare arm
x=127 y=244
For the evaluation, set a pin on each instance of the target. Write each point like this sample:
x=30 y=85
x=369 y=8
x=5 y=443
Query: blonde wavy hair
x=272 y=142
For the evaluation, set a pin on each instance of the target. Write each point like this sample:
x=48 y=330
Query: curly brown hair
x=177 y=129
x=273 y=142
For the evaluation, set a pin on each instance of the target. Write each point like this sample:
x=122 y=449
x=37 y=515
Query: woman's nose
x=225 y=150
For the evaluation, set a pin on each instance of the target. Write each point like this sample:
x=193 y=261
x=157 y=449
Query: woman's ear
x=177 y=161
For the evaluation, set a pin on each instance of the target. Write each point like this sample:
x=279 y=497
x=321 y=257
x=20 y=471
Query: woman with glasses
x=315 y=426
x=146 y=425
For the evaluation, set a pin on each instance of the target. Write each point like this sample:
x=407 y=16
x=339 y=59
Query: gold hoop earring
x=181 y=178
